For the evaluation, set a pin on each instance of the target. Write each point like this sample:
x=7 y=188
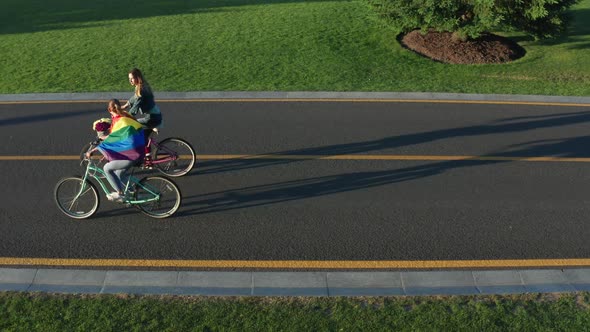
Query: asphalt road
x=374 y=207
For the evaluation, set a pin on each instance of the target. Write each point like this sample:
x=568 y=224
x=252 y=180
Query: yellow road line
x=393 y=157
x=331 y=100
x=294 y=264
x=330 y=157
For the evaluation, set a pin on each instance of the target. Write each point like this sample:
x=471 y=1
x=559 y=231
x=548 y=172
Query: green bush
x=540 y=19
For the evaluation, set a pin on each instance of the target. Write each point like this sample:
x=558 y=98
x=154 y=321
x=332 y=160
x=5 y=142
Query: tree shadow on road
x=511 y=125
x=312 y=187
x=262 y=195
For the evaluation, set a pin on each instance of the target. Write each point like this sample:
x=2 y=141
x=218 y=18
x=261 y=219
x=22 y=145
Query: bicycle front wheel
x=174 y=157
x=168 y=197
x=76 y=198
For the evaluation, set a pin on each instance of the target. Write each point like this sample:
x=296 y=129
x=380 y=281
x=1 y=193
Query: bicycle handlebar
x=91 y=146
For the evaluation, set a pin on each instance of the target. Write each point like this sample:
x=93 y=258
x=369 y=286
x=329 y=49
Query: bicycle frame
x=93 y=171
x=152 y=143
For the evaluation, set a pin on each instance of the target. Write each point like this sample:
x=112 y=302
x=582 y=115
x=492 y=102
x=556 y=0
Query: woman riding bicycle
x=142 y=104
x=123 y=147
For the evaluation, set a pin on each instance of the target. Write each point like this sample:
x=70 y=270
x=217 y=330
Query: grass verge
x=261 y=45
x=530 y=312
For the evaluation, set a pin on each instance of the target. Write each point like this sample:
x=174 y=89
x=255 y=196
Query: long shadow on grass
x=579 y=24
x=512 y=125
x=25 y=16
x=263 y=195
x=577 y=32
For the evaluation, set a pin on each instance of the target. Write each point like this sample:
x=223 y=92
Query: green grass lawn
x=531 y=312
x=261 y=45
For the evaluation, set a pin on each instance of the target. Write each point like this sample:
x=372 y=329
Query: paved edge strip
x=212 y=283
x=327 y=96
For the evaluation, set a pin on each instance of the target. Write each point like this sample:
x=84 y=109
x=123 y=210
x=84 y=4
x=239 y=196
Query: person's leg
x=147 y=129
x=149 y=121
x=154 y=121
x=146 y=134
x=113 y=170
x=121 y=173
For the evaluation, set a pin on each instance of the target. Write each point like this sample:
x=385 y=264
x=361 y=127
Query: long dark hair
x=141 y=81
x=115 y=107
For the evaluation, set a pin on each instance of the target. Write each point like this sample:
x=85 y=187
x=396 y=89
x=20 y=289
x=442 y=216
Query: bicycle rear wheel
x=169 y=196
x=174 y=157
x=76 y=198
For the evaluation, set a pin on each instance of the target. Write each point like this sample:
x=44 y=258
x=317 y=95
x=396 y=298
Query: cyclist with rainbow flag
x=123 y=147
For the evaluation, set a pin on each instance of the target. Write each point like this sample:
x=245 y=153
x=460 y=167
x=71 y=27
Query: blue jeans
x=116 y=171
x=150 y=121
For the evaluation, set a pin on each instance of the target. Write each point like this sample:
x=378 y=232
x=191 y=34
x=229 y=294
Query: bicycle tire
x=84 y=206
x=169 y=201
x=175 y=167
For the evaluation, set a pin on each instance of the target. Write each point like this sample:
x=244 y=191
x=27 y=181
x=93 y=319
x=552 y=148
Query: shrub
x=540 y=19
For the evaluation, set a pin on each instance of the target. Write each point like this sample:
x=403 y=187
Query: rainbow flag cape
x=125 y=142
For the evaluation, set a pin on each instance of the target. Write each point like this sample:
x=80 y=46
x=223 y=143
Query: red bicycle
x=172 y=156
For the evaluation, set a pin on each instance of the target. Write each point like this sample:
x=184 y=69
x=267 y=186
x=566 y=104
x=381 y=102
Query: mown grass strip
x=261 y=45
x=529 y=312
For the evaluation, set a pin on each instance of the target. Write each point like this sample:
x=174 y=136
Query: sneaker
x=114 y=196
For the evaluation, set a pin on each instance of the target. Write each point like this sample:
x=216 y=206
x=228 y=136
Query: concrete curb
x=295 y=283
x=300 y=95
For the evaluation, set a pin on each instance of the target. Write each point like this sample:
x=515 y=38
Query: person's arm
x=89 y=153
x=134 y=103
x=96 y=146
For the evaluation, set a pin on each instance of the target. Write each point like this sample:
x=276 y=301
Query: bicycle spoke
x=76 y=198
x=168 y=197
x=174 y=157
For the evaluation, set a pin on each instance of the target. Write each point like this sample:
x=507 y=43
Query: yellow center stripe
x=295 y=264
x=392 y=157
x=331 y=157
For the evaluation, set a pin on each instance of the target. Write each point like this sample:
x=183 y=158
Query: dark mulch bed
x=441 y=46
